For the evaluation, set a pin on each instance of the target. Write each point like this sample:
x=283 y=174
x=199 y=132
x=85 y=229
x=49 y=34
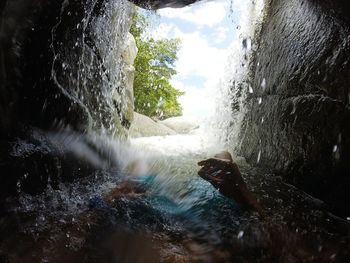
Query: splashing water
x=231 y=92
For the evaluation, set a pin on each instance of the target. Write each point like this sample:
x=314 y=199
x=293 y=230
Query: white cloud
x=220 y=34
x=197 y=102
x=202 y=14
x=197 y=56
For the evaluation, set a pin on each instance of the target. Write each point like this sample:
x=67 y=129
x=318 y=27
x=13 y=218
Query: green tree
x=154 y=67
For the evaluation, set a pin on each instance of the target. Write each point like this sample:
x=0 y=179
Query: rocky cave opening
x=67 y=115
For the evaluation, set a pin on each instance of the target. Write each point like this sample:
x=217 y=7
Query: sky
x=206 y=30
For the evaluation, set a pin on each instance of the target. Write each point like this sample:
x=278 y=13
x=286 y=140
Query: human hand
x=225 y=176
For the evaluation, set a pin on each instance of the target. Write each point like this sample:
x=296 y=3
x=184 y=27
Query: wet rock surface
x=298 y=118
x=156 y=4
x=61 y=68
x=55 y=71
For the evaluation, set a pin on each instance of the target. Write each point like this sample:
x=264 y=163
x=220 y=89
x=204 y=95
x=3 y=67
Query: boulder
x=180 y=124
x=298 y=122
x=144 y=126
x=124 y=98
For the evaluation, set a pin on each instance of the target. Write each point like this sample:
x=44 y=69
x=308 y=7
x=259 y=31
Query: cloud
x=198 y=57
x=197 y=102
x=202 y=14
x=220 y=34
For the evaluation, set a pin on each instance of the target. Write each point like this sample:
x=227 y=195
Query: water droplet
x=259 y=100
x=263 y=84
x=249 y=44
x=240 y=234
x=262 y=120
x=335 y=148
x=259 y=157
x=251 y=91
x=332 y=257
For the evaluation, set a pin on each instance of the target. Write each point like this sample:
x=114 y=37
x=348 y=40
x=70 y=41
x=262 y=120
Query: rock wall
x=60 y=63
x=298 y=118
x=156 y=4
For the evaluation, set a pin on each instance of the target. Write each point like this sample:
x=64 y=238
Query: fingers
x=213 y=162
x=210 y=178
x=209 y=169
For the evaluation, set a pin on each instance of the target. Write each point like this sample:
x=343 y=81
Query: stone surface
x=30 y=163
x=60 y=63
x=125 y=98
x=299 y=122
x=143 y=126
x=180 y=124
x=156 y=4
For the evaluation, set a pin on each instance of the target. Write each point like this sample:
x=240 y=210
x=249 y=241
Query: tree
x=154 y=67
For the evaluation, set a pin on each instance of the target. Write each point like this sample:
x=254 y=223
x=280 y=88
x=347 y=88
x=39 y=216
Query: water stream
x=172 y=216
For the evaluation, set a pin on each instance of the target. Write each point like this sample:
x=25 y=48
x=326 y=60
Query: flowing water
x=172 y=216
x=167 y=213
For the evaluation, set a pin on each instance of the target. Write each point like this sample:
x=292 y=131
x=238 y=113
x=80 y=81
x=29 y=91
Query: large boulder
x=144 y=126
x=180 y=124
x=298 y=118
x=124 y=98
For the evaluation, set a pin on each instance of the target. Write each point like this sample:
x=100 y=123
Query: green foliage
x=154 y=67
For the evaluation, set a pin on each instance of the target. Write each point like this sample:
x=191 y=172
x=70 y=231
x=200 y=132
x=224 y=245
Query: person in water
x=223 y=173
